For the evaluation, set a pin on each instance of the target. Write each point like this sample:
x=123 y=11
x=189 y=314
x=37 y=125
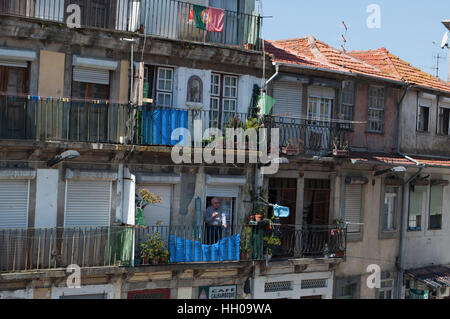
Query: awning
x=433 y=276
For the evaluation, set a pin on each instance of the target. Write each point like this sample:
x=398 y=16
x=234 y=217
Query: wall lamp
x=399 y=169
x=62 y=157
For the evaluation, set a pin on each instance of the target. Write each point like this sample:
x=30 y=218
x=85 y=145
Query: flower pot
x=258 y=218
x=144 y=260
x=340 y=153
x=163 y=260
x=251 y=218
x=155 y=260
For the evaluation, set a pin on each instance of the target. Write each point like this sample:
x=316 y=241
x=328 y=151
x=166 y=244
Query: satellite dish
x=445 y=40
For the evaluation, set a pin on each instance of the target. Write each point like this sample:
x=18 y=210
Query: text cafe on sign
x=222 y=292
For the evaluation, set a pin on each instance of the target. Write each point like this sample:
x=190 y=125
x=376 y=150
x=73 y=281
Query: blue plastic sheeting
x=159 y=124
x=280 y=211
x=182 y=250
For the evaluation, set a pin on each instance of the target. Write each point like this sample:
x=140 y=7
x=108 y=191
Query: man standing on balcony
x=214 y=219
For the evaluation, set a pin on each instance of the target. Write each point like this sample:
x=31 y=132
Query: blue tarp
x=182 y=250
x=158 y=125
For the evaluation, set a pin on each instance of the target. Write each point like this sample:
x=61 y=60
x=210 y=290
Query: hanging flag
x=209 y=19
x=265 y=104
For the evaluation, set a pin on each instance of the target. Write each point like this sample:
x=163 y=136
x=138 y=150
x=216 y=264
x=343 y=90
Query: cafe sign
x=221 y=292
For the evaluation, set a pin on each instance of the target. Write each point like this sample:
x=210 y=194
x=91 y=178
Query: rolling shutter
x=353 y=206
x=88 y=203
x=222 y=191
x=288 y=99
x=14 y=196
x=88 y=75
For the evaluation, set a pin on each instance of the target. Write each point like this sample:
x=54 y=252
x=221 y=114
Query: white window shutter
x=353 y=207
x=14 y=203
x=88 y=203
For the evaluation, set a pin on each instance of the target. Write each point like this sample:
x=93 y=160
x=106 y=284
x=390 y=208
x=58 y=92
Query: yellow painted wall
x=124 y=82
x=51 y=74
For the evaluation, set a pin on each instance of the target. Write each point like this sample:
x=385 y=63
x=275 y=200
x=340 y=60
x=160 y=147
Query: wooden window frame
x=222 y=97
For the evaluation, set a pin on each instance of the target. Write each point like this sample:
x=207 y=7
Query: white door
x=88 y=203
x=319 y=122
x=159 y=212
x=14 y=203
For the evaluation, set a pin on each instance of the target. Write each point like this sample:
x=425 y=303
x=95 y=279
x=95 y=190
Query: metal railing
x=23 y=118
x=55 y=248
x=308 y=137
x=298 y=241
x=189 y=244
x=171 y=19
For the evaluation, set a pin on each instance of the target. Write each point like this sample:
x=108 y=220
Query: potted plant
x=271 y=243
x=340 y=148
x=142 y=200
x=153 y=250
x=259 y=214
x=336 y=237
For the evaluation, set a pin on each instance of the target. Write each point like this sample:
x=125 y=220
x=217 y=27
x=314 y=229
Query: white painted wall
x=108 y=290
x=46 y=198
x=297 y=292
x=428 y=247
x=17 y=294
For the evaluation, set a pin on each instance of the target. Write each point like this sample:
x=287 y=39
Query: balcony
x=24 y=250
x=299 y=242
x=56 y=248
x=169 y=19
x=308 y=137
x=101 y=122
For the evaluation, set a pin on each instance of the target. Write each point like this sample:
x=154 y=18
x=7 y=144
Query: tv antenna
x=344 y=43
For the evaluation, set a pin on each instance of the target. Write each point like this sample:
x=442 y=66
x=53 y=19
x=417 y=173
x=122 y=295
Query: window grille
x=314 y=283
x=278 y=286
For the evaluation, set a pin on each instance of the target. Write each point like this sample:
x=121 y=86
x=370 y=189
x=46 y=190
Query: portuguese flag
x=207 y=18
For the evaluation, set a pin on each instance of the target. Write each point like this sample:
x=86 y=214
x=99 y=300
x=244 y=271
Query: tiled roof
x=283 y=55
x=434 y=276
x=318 y=50
x=375 y=63
x=390 y=63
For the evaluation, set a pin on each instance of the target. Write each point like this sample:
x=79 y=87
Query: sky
x=407 y=28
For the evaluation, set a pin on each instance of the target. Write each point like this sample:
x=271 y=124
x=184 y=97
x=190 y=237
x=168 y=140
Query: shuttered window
x=288 y=97
x=14 y=203
x=88 y=203
x=88 y=75
x=353 y=207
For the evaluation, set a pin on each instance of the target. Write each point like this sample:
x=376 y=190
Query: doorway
x=283 y=191
x=316 y=215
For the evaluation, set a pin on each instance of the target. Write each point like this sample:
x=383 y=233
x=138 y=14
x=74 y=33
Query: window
x=164 y=87
x=319 y=111
x=353 y=207
x=390 y=208
x=423 y=118
x=376 y=109
x=417 y=205
x=13 y=110
x=347 y=291
x=347 y=104
x=444 y=119
x=387 y=289
x=436 y=206
x=223 y=104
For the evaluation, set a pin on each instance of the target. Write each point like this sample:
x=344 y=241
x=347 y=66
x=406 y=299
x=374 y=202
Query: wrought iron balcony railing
x=171 y=19
x=298 y=241
x=309 y=137
x=55 y=248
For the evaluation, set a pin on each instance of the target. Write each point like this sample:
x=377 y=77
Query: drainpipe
x=277 y=71
x=404 y=215
x=399 y=117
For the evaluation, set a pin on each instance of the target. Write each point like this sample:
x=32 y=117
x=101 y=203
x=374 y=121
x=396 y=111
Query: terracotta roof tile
x=391 y=63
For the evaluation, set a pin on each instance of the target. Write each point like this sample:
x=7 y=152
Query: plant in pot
x=153 y=250
x=337 y=238
x=271 y=243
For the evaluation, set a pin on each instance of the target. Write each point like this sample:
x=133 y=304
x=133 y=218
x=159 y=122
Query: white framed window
x=376 y=109
x=164 y=87
x=386 y=290
x=390 y=204
x=436 y=207
x=423 y=118
x=417 y=207
x=319 y=111
x=223 y=101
